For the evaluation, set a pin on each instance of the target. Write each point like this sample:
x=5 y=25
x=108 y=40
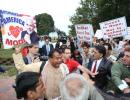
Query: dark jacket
x=104 y=72
x=44 y=51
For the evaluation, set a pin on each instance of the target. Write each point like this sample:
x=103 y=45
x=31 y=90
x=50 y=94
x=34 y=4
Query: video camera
x=63 y=39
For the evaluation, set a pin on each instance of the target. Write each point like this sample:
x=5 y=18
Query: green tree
x=45 y=24
x=60 y=33
x=110 y=9
x=96 y=11
x=84 y=14
x=0 y=38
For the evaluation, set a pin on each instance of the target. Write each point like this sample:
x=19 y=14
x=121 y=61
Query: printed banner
x=16 y=28
x=84 y=33
x=114 y=28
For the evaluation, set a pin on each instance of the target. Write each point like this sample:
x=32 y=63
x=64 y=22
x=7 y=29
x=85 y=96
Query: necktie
x=94 y=68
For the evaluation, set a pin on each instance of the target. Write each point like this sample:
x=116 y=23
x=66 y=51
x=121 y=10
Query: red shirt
x=72 y=65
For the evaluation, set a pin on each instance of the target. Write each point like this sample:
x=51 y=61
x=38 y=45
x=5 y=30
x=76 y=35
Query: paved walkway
x=6 y=90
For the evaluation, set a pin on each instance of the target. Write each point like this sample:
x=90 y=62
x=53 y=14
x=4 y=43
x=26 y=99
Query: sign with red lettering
x=84 y=32
x=16 y=28
x=114 y=28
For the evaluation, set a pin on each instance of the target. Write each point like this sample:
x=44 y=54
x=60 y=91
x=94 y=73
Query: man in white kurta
x=53 y=74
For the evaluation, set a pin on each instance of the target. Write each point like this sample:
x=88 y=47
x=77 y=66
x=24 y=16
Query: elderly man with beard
x=75 y=87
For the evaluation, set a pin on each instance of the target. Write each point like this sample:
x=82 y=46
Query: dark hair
x=101 y=49
x=24 y=82
x=109 y=46
x=85 y=44
x=63 y=39
x=53 y=51
x=31 y=45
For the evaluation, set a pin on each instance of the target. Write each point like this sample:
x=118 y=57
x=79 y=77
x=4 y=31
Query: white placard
x=84 y=32
x=114 y=28
x=16 y=28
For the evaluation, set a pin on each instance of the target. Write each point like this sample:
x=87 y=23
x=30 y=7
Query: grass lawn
x=6 y=53
x=10 y=69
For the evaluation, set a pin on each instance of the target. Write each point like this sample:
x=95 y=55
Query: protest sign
x=114 y=28
x=16 y=28
x=84 y=33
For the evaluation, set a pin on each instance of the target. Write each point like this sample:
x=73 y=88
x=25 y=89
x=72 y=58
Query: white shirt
x=41 y=43
x=97 y=66
x=48 y=48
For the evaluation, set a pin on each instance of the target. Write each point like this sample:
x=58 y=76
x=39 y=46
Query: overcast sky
x=60 y=10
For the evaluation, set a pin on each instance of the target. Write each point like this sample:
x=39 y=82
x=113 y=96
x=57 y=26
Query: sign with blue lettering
x=16 y=28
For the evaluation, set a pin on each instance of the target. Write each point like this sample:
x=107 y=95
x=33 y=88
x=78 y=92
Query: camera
x=63 y=39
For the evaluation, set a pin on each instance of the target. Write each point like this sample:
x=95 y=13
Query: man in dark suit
x=101 y=65
x=46 y=49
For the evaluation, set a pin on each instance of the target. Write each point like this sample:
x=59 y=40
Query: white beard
x=84 y=95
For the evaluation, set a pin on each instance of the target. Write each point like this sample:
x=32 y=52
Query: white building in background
x=54 y=37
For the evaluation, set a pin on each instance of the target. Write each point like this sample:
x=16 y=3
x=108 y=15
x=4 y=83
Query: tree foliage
x=60 y=33
x=110 y=9
x=96 y=11
x=45 y=24
x=84 y=14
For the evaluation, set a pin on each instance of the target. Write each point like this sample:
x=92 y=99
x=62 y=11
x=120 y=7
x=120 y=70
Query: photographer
x=64 y=41
x=32 y=55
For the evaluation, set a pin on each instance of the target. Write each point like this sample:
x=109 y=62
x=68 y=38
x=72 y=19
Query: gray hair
x=83 y=90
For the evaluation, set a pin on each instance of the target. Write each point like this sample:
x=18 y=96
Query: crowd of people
x=65 y=71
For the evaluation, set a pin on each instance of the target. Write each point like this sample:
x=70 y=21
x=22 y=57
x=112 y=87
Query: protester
x=29 y=86
x=52 y=74
x=101 y=65
x=77 y=56
x=121 y=72
x=32 y=55
x=85 y=54
x=75 y=87
x=109 y=54
x=72 y=64
x=20 y=64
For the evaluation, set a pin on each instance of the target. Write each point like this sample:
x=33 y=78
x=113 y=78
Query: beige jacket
x=22 y=67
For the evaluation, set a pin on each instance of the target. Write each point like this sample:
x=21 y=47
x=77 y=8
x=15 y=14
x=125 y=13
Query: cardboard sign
x=114 y=28
x=84 y=33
